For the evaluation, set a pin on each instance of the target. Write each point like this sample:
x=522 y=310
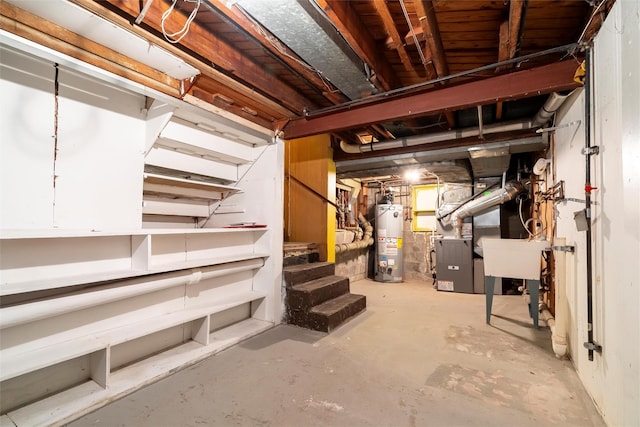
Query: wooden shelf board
x=72 y=233
x=71 y=404
x=61 y=282
x=186 y=183
x=25 y=358
x=29 y=357
x=169 y=320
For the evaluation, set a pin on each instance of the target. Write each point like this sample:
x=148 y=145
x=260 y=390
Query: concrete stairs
x=318 y=299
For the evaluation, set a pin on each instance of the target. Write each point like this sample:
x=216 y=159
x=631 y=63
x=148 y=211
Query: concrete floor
x=415 y=357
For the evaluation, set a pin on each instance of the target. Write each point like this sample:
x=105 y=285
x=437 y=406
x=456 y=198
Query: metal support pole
x=588 y=151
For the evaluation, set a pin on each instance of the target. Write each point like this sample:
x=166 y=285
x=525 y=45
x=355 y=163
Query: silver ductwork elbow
x=551 y=105
x=497 y=197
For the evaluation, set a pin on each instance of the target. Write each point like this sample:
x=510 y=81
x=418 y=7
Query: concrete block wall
x=353 y=264
x=416 y=246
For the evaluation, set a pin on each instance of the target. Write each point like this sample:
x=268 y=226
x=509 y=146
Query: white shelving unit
x=107 y=280
x=36 y=260
x=105 y=290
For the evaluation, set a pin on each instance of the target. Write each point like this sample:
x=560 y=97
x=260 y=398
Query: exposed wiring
x=185 y=28
x=413 y=33
x=586 y=27
x=531 y=235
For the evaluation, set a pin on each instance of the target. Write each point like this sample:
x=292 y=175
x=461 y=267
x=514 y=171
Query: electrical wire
x=413 y=33
x=586 y=27
x=185 y=28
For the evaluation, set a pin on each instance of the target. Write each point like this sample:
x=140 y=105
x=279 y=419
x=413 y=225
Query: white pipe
x=551 y=105
x=559 y=337
x=366 y=241
x=434 y=137
x=30 y=312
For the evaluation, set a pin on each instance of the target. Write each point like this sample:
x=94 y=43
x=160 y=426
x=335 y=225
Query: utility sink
x=514 y=258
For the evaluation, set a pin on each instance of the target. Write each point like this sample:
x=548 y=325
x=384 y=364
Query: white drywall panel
x=26 y=141
x=101 y=133
x=612 y=378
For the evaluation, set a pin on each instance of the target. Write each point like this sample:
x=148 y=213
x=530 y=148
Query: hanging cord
x=525 y=224
x=185 y=29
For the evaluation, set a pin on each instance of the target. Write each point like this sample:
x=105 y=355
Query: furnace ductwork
x=497 y=197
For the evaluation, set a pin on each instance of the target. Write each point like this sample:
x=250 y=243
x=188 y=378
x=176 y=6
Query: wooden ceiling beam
x=278 y=49
x=217 y=51
x=541 y=80
x=99 y=9
x=510 y=31
x=392 y=32
x=429 y=24
x=509 y=39
x=38 y=30
x=355 y=33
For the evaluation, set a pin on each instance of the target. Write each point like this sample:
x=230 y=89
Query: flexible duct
x=551 y=105
x=497 y=197
x=30 y=312
x=367 y=239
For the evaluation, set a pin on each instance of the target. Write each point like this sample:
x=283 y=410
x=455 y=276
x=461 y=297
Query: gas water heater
x=389 y=226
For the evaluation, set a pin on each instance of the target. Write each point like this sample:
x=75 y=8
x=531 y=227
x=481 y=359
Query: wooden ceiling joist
x=38 y=30
x=208 y=70
x=541 y=80
x=509 y=39
x=206 y=45
x=429 y=24
x=355 y=33
x=392 y=31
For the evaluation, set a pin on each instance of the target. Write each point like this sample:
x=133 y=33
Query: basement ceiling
x=366 y=71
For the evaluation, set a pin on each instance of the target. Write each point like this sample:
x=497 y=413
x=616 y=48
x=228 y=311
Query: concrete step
x=295 y=253
x=331 y=314
x=297 y=274
x=308 y=294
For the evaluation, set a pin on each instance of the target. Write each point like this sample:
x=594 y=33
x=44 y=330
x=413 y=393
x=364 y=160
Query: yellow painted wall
x=307 y=217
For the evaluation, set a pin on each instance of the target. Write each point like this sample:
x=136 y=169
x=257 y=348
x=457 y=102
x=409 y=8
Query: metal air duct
x=497 y=197
x=305 y=29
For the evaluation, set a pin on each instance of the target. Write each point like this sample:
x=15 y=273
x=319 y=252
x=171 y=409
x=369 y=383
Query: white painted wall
x=613 y=377
x=97 y=157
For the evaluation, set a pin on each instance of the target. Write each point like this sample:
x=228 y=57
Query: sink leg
x=534 y=291
x=489 y=282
